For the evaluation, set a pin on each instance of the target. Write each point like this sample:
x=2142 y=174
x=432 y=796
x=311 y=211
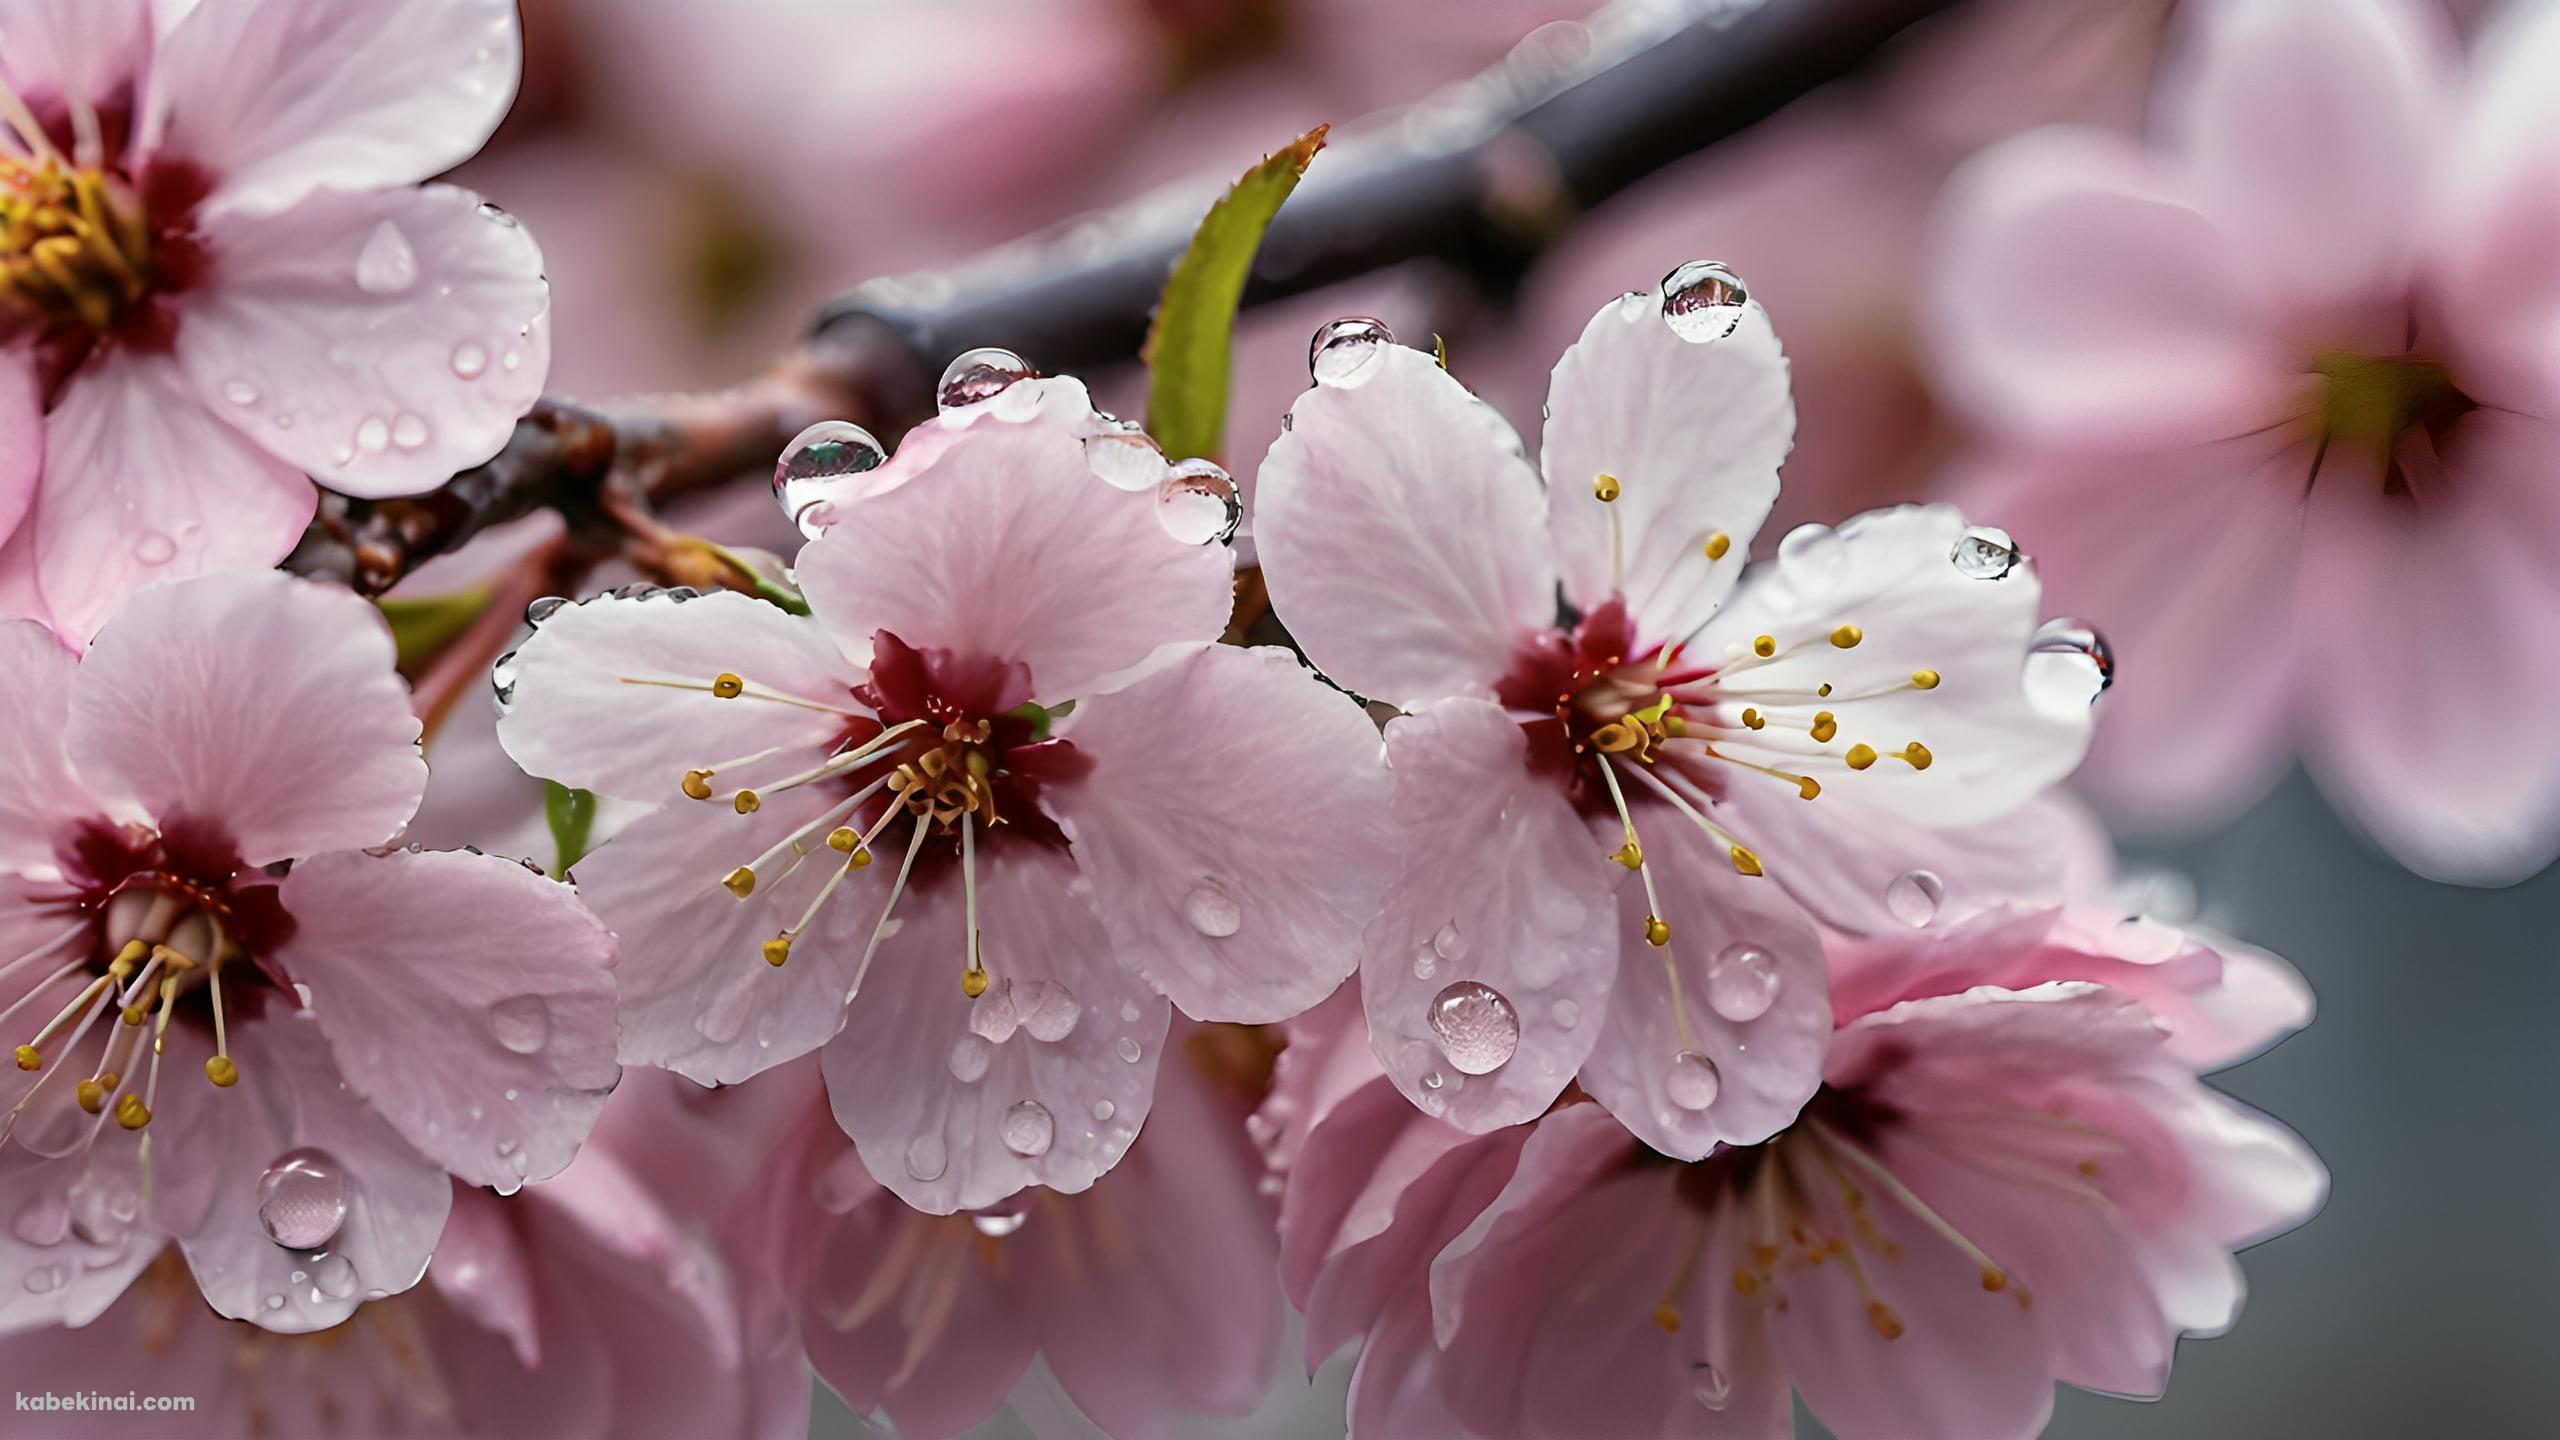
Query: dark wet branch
x=1482 y=179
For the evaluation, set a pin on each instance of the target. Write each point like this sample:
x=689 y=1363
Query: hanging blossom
x=1150 y=1297
x=219 y=275
x=1081 y=804
x=1613 y=820
x=234 y=1020
x=2010 y=1176
x=2274 y=393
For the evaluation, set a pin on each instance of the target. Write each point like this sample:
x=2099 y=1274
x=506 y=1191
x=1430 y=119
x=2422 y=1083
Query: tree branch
x=1483 y=177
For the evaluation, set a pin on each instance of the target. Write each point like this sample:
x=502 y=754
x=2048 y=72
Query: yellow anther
x=1924 y=679
x=973 y=981
x=1883 y=1321
x=697 y=784
x=132 y=954
x=1674 y=726
x=1765 y=646
x=131 y=1113
x=1916 y=755
x=1604 y=486
x=1745 y=861
x=1668 y=1317
x=842 y=839
x=1753 y=719
x=1617 y=736
x=860 y=858
x=1860 y=756
x=1808 y=787
x=1994 y=1280
x=1657 y=931
x=1718 y=544
x=741 y=882
x=220 y=1070
x=1847 y=636
x=1630 y=854
x=1823 y=690
x=1652 y=714
x=1825 y=725
x=1745 y=1283
x=728 y=686
x=746 y=802
x=29 y=1058
x=777 y=950
x=137 y=1012
x=92 y=1095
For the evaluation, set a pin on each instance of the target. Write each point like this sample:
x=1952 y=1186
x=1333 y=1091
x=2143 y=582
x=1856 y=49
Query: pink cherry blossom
x=2009 y=1177
x=1860 y=717
x=1151 y=1296
x=219 y=274
x=315 y=1032
x=582 y=1307
x=2271 y=393
x=1083 y=806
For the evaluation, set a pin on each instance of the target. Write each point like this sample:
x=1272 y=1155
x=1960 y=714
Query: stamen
x=778 y=949
x=741 y=882
x=1825 y=725
x=1652 y=901
x=1994 y=1277
x=47 y=948
x=219 y=1068
x=1765 y=646
x=1847 y=637
x=1718 y=544
x=1860 y=756
x=1916 y=755
x=897 y=887
x=1924 y=679
x=1806 y=785
x=730 y=687
x=973 y=973
x=1743 y=860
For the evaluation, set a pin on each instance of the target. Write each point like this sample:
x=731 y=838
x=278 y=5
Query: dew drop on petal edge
x=817 y=469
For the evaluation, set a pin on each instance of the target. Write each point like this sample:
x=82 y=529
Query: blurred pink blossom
x=2273 y=397
x=338 y=1036
x=2009 y=1177
x=222 y=275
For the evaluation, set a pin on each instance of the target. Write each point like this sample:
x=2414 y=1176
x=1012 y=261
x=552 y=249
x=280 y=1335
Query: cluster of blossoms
x=1620 y=985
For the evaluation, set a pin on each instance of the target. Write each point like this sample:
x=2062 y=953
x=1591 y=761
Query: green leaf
x=571 y=813
x=1191 y=349
x=423 y=626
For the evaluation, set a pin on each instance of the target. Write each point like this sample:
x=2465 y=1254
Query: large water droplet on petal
x=993 y=1015
x=925 y=1157
x=997 y=1224
x=1343 y=351
x=1709 y=1386
x=470 y=360
x=1985 y=553
x=1693 y=1081
x=387 y=265
x=1914 y=896
x=1027 y=1129
x=2068 y=662
x=1048 y=1009
x=409 y=430
x=103 y=1213
x=978 y=375
x=818 y=470
x=1125 y=459
x=970 y=1057
x=154 y=547
x=1814 y=559
x=45 y=1279
x=1128 y=1049
x=374 y=435
x=1476 y=1027
x=1197 y=503
x=333 y=1277
x=1702 y=301
x=1212 y=911
x=43 y=1219
x=1447 y=943
x=1742 y=982
x=302 y=1199
x=522 y=1023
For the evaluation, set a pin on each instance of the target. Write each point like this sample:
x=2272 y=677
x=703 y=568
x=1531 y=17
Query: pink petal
x=60 y=49
x=262 y=704
x=1055 y=1112
x=1007 y=546
x=21 y=441
x=144 y=483
x=381 y=341
x=75 y=1238
x=278 y=100
x=2044 y=848
x=1396 y=1386
x=1692 y=432
x=1233 y=830
x=577 y=718
x=2491 y=260
x=697 y=996
x=481 y=1266
x=1500 y=914
x=1399 y=531
x=37 y=791
x=2306 y=130
x=467 y=997
x=2079 y=296
x=1765 y=1067
x=219 y=1143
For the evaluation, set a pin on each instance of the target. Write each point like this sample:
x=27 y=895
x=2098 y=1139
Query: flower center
x=75 y=246
x=2373 y=400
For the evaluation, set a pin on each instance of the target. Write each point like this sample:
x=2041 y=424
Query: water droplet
x=970 y=1057
x=511 y=361
x=1128 y=1049
x=978 y=375
x=1985 y=553
x=275 y=1302
x=2068 y=661
x=817 y=469
x=925 y=1158
x=240 y=392
x=522 y=1023
x=1476 y=1027
x=1027 y=1129
x=1693 y=1081
x=1709 y=1386
x=1104 y=1110
x=470 y=360
x=333 y=1277
x=502 y=679
x=386 y=265
x=373 y=436
x=1703 y=301
x=409 y=430
x=103 y=1216
x=997 y=1225
x=1742 y=982
x=1913 y=897
x=1566 y=1014
x=1129 y=1011
x=537 y=611
x=1426 y=962
x=1447 y=943
x=302 y=1199
x=1212 y=911
x=1814 y=559
x=1343 y=351
x=45 y=1279
x=43 y=1219
x=1048 y=1009
x=1197 y=504
x=1125 y=459
x=151 y=547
